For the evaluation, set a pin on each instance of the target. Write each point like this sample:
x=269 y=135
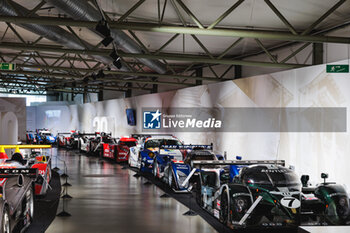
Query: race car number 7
x=290 y=202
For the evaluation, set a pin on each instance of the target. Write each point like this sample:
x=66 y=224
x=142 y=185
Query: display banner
x=244 y=119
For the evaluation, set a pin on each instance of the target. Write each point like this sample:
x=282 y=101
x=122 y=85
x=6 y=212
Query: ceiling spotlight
x=116 y=59
x=100 y=74
x=103 y=29
x=107 y=41
x=94 y=76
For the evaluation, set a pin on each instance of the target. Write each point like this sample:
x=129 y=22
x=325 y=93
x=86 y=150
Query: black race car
x=266 y=193
x=17 y=198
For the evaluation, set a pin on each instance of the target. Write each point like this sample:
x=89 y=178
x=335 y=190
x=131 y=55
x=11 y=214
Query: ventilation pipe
x=82 y=10
x=53 y=33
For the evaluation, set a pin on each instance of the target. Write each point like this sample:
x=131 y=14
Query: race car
x=177 y=172
x=123 y=148
x=100 y=145
x=16 y=197
x=267 y=194
x=84 y=141
x=44 y=136
x=68 y=140
x=31 y=157
x=150 y=151
x=30 y=137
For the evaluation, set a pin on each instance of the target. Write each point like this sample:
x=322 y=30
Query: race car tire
x=30 y=206
x=154 y=170
x=198 y=193
x=139 y=161
x=224 y=207
x=5 y=223
x=171 y=179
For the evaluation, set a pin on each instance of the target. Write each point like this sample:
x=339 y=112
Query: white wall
x=13 y=114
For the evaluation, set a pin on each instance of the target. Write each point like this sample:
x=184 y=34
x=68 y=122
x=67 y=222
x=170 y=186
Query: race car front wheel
x=5 y=226
x=30 y=205
x=224 y=207
x=155 y=168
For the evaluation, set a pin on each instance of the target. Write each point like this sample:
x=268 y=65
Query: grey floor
x=328 y=229
x=107 y=198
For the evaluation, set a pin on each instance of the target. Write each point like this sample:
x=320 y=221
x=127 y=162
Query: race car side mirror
x=304 y=180
x=324 y=176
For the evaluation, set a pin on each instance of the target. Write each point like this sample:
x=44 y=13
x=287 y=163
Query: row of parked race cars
x=239 y=193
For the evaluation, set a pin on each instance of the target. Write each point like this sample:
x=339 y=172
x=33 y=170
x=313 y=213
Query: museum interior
x=174 y=116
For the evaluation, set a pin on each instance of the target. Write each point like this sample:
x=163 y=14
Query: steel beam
x=325 y=15
x=201 y=59
x=230 y=32
x=132 y=9
x=225 y=14
x=33 y=73
x=281 y=17
x=115 y=72
x=166 y=56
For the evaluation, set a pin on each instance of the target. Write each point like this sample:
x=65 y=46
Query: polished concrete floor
x=328 y=229
x=107 y=198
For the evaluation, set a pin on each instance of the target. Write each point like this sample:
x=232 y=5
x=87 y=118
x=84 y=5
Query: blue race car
x=30 y=137
x=180 y=175
x=151 y=152
x=44 y=136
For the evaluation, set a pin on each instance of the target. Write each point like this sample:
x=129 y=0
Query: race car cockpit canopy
x=270 y=177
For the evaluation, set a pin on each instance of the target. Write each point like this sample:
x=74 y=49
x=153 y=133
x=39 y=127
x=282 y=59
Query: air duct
x=82 y=10
x=53 y=33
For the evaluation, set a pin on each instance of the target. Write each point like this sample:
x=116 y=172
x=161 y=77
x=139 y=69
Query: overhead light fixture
x=103 y=29
x=116 y=59
x=100 y=74
x=94 y=76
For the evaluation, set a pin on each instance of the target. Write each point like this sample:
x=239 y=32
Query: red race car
x=119 y=151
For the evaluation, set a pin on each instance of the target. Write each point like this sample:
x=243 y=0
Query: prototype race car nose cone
x=290 y=202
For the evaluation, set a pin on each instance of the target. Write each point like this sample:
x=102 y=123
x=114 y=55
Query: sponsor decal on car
x=216 y=213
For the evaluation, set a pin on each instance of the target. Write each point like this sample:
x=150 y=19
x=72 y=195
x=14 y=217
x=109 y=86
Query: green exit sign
x=337 y=68
x=7 y=66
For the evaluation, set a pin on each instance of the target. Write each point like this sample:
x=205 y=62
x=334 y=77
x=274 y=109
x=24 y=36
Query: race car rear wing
x=187 y=147
x=63 y=133
x=137 y=136
x=238 y=162
x=25 y=146
x=11 y=172
x=87 y=134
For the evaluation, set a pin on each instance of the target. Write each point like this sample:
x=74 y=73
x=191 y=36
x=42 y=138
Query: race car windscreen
x=154 y=143
x=280 y=177
x=128 y=144
x=108 y=140
x=200 y=155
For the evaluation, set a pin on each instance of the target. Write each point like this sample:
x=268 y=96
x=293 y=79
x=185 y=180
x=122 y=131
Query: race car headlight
x=151 y=154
